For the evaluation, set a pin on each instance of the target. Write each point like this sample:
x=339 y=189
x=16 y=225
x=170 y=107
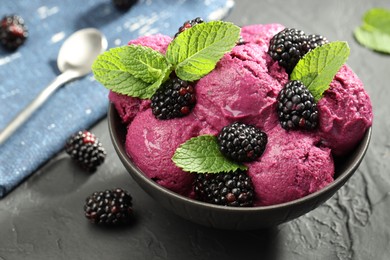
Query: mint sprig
x=195 y=52
x=131 y=70
x=317 y=68
x=144 y=63
x=374 y=33
x=139 y=71
x=201 y=155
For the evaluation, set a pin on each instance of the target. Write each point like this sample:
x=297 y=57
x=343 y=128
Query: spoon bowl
x=80 y=50
x=74 y=60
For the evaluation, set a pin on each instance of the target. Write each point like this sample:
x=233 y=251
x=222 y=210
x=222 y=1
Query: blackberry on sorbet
x=315 y=40
x=241 y=142
x=286 y=47
x=233 y=189
x=189 y=24
x=13 y=32
x=109 y=207
x=240 y=41
x=290 y=45
x=297 y=107
x=174 y=98
x=86 y=150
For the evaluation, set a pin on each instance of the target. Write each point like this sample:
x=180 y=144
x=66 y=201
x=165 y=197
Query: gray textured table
x=43 y=217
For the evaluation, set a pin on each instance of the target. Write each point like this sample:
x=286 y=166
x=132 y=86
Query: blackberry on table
x=86 y=150
x=297 y=107
x=174 y=98
x=109 y=207
x=124 y=4
x=233 y=189
x=188 y=24
x=13 y=32
x=241 y=142
x=290 y=45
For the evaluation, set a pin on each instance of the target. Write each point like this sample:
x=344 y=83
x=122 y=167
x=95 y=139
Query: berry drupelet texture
x=290 y=45
x=297 y=108
x=175 y=98
x=189 y=24
x=240 y=41
x=241 y=142
x=13 y=32
x=287 y=47
x=86 y=150
x=315 y=40
x=109 y=207
x=233 y=189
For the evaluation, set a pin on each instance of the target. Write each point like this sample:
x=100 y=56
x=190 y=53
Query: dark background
x=43 y=217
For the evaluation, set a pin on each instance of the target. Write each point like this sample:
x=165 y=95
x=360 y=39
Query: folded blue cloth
x=79 y=104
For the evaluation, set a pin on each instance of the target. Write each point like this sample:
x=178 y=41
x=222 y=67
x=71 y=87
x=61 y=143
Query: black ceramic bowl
x=230 y=217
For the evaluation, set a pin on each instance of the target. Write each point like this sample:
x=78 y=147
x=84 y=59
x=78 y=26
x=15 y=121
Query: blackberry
x=240 y=41
x=123 y=4
x=241 y=142
x=290 y=45
x=228 y=189
x=13 y=32
x=287 y=47
x=188 y=24
x=297 y=107
x=315 y=40
x=174 y=98
x=109 y=207
x=86 y=150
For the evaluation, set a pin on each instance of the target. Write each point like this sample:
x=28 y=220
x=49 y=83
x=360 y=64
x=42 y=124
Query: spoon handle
x=36 y=103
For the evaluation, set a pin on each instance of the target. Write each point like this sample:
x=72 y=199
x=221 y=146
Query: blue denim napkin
x=79 y=104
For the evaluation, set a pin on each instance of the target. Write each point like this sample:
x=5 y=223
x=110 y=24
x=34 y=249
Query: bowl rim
x=340 y=180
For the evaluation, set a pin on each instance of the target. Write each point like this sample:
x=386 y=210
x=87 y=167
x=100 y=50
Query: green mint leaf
x=201 y=155
x=144 y=63
x=196 y=51
x=317 y=68
x=373 y=39
x=137 y=76
x=374 y=33
x=378 y=18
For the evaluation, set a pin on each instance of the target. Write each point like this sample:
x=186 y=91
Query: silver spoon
x=74 y=60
